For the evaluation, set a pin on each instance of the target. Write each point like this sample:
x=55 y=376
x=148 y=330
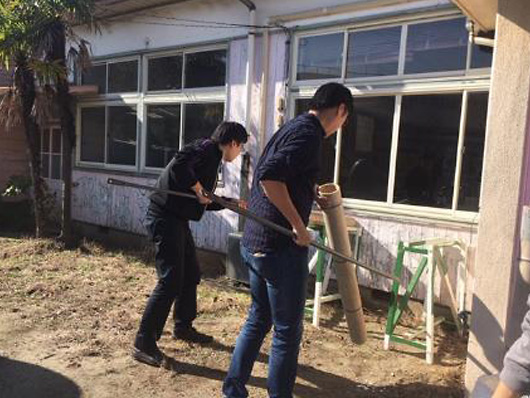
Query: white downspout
x=251 y=55
x=251 y=66
x=251 y=61
x=264 y=94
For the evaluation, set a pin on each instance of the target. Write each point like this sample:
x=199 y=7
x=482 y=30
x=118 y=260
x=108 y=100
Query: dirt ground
x=67 y=320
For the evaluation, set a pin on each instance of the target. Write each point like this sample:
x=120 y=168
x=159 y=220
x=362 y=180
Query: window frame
x=49 y=153
x=405 y=22
x=138 y=60
x=183 y=96
x=462 y=82
x=105 y=165
x=143 y=98
x=452 y=214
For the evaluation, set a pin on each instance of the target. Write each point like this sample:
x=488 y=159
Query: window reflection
x=205 y=69
x=471 y=176
x=427 y=148
x=123 y=77
x=165 y=73
x=436 y=46
x=320 y=57
x=366 y=145
x=373 y=53
x=163 y=131
x=121 y=135
x=97 y=76
x=93 y=134
x=201 y=120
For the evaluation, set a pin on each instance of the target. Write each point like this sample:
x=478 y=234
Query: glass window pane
x=327 y=159
x=427 y=147
x=471 y=176
x=373 y=52
x=97 y=76
x=206 y=69
x=481 y=56
x=165 y=73
x=320 y=57
x=45 y=166
x=163 y=131
x=121 y=135
x=56 y=141
x=123 y=77
x=45 y=140
x=56 y=167
x=201 y=120
x=93 y=134
x=436 y=46
x=365 y=150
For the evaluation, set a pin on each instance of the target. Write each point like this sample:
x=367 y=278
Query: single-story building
x=436 y=148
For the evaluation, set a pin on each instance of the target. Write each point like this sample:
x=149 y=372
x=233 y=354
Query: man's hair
x=227 y=132
x=331 y=95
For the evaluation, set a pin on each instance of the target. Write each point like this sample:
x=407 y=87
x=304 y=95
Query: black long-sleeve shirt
x=292 y=156
x=197 y=161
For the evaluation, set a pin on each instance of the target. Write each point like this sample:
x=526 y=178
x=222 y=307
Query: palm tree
x=54 y=35
x=17 y=105
x=33 y=41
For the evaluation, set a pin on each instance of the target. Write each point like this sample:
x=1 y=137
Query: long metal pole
x=245 y=213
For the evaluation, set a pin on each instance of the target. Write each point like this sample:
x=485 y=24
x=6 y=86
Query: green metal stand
x=431 y=259
x=396 y=306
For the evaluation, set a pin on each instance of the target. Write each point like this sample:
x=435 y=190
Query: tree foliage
x=34 y=36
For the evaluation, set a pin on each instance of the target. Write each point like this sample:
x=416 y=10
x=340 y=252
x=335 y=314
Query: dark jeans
x=178 y=276
x=278 y=286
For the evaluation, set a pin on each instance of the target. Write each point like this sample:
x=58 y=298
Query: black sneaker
x=153 y=357
x=191 y=334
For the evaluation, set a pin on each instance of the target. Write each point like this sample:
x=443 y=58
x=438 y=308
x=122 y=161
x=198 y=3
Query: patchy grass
x=75 y=312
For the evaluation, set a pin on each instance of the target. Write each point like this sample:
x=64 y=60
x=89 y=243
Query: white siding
x=151 y=33
x=98 y=203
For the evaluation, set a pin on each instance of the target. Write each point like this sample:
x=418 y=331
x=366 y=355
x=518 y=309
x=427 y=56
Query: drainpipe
x=245 y=161
x=251 y=59
x=264 y=92
x=478 y=40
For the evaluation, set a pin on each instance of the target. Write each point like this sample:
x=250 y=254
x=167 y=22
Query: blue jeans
x=278 y=285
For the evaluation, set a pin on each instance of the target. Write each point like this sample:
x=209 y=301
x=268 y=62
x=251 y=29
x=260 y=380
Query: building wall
x=97 y=203
x=13 y=157
x=155 y=32
x=497 y=306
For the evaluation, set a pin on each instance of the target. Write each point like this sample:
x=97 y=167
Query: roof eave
x=482 y=12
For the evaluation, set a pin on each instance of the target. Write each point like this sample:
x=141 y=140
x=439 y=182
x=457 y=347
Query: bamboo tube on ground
x=346 y=272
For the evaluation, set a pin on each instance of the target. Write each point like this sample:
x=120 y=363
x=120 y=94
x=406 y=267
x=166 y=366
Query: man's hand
x=242 y=204
x=199 y=192
x=503 y=391
x=322 y=201
x=302 y=236
x=278 y=194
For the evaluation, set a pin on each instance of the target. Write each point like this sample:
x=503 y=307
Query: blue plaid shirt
x=291 y=156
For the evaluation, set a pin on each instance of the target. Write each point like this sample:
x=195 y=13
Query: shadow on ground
x=25 y=380
x=322 y=384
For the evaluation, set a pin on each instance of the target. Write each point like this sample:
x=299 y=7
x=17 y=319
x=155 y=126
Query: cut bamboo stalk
x=346 y=273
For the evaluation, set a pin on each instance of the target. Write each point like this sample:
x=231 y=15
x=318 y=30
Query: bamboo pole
x=346 y=272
